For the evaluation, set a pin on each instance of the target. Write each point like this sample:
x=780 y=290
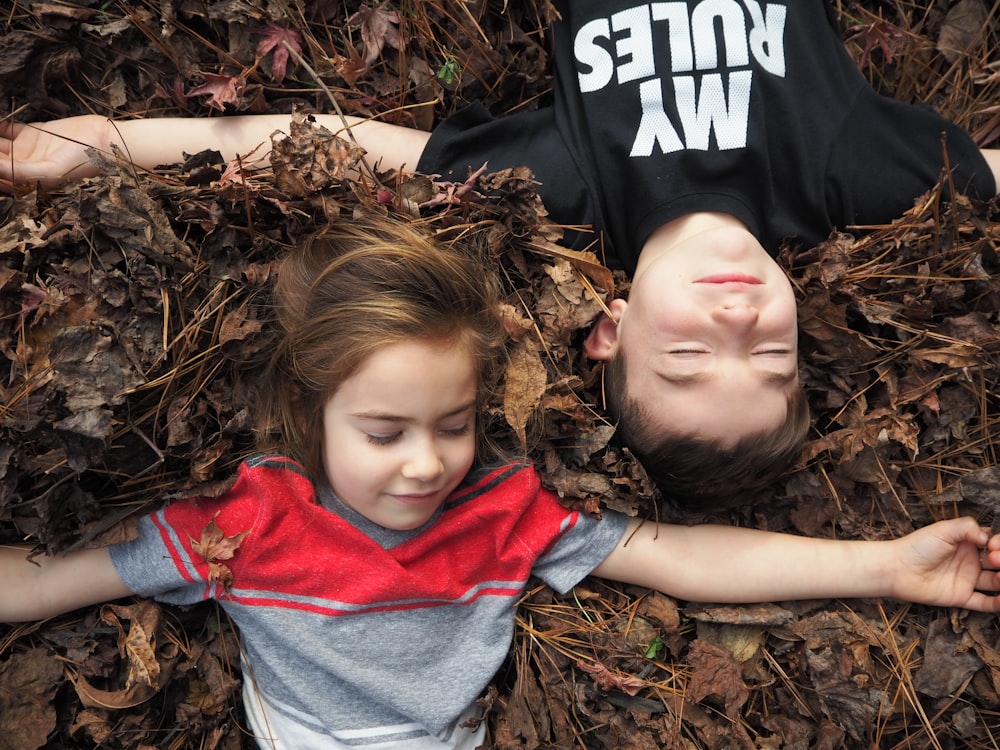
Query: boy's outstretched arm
x=992 y=156
x=949 y=564
x=54 y=152
x=47 y=586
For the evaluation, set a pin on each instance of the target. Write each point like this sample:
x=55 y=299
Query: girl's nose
x=424 y=464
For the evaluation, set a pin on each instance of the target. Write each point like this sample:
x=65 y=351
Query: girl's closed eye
x=383 y=439
x=458 y=431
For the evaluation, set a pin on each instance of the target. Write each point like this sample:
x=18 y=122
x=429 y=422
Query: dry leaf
x=524 y=387
x=214 y=546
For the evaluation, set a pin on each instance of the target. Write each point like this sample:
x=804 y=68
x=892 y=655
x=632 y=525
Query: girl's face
x=400 y=434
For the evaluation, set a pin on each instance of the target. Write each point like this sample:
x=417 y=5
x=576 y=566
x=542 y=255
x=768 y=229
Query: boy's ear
x=602 y=341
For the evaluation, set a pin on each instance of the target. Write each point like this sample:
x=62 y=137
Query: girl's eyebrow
x=396 y=418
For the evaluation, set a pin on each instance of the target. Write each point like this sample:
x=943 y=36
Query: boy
x=695 y=136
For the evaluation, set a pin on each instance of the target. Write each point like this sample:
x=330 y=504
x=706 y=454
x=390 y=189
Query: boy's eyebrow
x=396 y=418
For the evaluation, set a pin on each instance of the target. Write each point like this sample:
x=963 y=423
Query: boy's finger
x=988 y=580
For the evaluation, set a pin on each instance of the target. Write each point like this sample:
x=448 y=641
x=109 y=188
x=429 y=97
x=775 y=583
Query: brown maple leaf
x=275 y=39
x=378 y=28
x=605 y=679
x=213 y=546
x=880 y=34
x=221 y=90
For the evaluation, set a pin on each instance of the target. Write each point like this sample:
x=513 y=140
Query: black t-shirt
x=738 y=106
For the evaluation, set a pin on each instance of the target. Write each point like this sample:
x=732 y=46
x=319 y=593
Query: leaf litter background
x=132 y=314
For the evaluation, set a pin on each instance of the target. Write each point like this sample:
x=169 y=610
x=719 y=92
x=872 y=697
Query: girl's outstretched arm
x=50 y=153
x=47 y=586
x=949 y=564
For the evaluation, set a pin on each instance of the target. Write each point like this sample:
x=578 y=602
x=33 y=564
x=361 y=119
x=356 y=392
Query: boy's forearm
x=992 y=157
x=164 y=140
x=155 y=141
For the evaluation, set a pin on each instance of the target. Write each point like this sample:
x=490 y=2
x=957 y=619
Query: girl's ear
x=602 y=341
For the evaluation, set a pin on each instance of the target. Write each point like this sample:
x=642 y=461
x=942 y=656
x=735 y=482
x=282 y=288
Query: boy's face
x=709 y=334
x=400 y=434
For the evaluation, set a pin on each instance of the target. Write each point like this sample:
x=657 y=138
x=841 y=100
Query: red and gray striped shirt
x=357 y=635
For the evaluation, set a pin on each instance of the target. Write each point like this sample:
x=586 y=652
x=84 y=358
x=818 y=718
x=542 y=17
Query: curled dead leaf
x=526 y=382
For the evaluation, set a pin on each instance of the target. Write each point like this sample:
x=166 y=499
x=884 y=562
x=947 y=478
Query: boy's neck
x=683 y=228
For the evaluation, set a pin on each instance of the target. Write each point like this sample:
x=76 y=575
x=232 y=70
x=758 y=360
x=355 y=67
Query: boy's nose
x=424 y=464
x=738 y=316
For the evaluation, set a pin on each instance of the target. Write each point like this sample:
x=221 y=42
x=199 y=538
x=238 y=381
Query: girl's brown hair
x=359 y=285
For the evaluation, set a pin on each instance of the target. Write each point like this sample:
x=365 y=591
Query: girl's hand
x=949 y=564
x=50 y=153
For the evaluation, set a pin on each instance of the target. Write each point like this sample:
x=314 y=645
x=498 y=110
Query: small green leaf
x=450 y=71
x=654 y=648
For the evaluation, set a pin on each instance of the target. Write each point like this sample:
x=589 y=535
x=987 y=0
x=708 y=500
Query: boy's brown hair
x=696 y=473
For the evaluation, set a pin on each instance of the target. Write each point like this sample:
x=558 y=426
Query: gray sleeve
x=148 y=568
x=580 y=550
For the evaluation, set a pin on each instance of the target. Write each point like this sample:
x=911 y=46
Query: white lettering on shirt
x=705 y=62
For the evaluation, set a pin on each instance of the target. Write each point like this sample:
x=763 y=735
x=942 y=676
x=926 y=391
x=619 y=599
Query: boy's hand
x=949 y=564
x=50 y=153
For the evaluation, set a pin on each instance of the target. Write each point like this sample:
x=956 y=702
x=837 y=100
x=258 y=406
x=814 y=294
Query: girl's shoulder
x=492 y=475
x=263 y=486
x=272 y=475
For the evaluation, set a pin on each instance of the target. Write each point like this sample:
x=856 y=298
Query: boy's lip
x=729 y=278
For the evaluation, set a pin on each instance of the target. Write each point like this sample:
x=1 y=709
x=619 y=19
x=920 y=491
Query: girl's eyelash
x=773 y=351
x=383 y=439
x=390 y=439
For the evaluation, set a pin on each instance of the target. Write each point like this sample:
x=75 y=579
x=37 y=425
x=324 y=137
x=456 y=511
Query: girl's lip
x=729 y=278
x=416 y=498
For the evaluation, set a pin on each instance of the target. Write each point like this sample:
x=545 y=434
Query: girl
x=371 y=563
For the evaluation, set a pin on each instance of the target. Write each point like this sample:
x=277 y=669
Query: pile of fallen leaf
x=130 y=318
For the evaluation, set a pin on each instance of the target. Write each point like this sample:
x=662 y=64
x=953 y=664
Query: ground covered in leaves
x=127 y=316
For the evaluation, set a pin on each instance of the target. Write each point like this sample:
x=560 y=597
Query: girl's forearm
x=47 y=586
x=726 y=564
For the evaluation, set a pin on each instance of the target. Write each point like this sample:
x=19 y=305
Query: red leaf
x=274 y=39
